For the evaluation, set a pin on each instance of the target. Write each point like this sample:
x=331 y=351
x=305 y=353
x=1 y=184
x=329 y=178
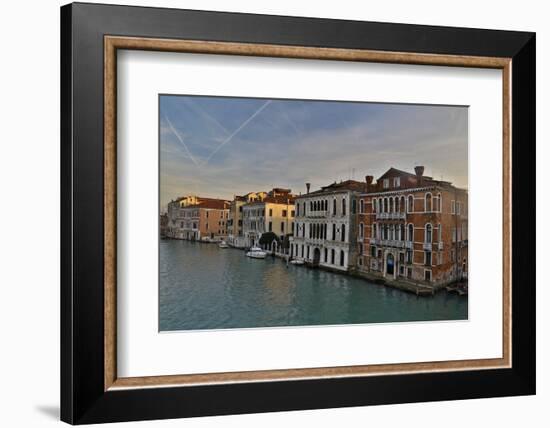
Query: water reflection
x=204 y=287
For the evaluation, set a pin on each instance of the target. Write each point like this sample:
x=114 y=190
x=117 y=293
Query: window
x=292 y=213
x=428 y=235
x=332 y=256
x=342 y=257
x=453 y=210
x=411 y=233
x=326 y=255
x=374 y=230
x=297 y=210
x=334 y=232
x=458 y=206
x=409 y=256
x=439 y=232
x=361 y=206
x=343 y=233
x=396 y=181
x=373 y=251
x=270 y=212
x=282 y=227
x=334 y=207
x=284 y=213
x=353 y=206
x=428 y=275
x=344 y=206
x=410 y=207
x=428 y=202
x=391 y=205
x=428 y=258
x=361 y=230
x=385 y=205
x=375 y=205
x=386 y=183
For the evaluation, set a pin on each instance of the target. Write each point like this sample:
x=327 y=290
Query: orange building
x=205 y=220
x=414 y=228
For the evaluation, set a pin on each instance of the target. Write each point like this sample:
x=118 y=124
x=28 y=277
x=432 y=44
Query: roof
x=210 y=203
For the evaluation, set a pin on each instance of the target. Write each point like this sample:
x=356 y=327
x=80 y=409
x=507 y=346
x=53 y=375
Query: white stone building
x=325 y=230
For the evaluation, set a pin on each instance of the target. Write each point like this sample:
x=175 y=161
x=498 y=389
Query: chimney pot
x=369 y=179
x=419 y=170
x=308 y=185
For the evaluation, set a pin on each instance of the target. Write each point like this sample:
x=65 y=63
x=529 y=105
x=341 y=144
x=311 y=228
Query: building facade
x=196 y=218
x=235 y=236
x=325 y=228
x=273 y=213
x=411 y=227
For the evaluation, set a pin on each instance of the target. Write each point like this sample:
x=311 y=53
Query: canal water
x=205 y=287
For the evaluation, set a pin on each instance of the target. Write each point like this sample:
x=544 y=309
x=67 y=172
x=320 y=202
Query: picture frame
x=91 y=391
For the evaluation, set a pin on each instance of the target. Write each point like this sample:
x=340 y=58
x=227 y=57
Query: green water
x=205 y=287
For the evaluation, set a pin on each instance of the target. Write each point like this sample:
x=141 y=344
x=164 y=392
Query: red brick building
x=413 y=228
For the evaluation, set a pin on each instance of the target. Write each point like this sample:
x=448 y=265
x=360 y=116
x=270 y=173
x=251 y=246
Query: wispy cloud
x=301 y=141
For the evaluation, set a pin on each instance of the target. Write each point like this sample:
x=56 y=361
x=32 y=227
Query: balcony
x=390 y=216
x=440 y=245
x=427 y=246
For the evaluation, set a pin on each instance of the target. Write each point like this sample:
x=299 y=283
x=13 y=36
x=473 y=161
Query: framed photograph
x=266 y=213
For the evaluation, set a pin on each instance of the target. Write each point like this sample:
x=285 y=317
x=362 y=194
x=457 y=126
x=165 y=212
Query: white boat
x=256 y=253
x=223 y=244
x=296 y=262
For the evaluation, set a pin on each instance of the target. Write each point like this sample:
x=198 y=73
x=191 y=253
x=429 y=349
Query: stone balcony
x=391 y=216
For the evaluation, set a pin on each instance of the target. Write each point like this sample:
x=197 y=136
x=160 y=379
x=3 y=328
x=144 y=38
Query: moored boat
x=296 y=262
x=256 y=253
x=223 y=244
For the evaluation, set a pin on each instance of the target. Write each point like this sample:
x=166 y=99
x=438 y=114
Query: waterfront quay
x=405 y=230
x=203 y=286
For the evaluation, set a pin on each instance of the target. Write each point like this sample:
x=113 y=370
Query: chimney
x=308 y=185
x=369 y=179
x=419 y=170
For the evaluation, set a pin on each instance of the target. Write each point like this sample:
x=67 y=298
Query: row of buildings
x=401 y=226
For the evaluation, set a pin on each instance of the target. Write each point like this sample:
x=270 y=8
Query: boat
x=223 y=244
x=296 y=262
x=256 y=253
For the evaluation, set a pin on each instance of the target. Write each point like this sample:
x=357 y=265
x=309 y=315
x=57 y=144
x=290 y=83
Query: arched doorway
x=390 y=264
x=316 y=256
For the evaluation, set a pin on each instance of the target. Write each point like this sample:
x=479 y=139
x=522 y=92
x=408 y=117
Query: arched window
x=332 y=254
x=326 y=255
x=428 y=234
x=411 y=233
x=375 y=205
x=428 y=202
x=343 y=233
x=334 y=207
x=326 y=204
x=410 y=204
x=342 y=257
x=310 y=206
x=374 y=230
x=385 y=205
x=439 y=205
x=333 y=231
x=361 y=230
x=402 y=205
x=361 y=206
x=344 y=206
x=391 y=205
x=402 y=232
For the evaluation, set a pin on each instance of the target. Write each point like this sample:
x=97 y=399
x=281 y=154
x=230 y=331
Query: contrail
x=228 y=139
x=199 y=110
x=180 y=140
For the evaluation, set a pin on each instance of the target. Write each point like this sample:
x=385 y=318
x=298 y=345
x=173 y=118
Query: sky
x=220 y=146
